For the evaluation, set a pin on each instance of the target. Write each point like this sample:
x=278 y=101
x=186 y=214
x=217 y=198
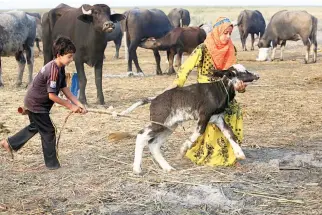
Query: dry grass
x=282 y=116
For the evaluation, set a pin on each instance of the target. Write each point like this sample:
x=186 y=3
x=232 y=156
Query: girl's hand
x=240 y=87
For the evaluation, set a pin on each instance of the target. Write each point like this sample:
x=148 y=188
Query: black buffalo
x=179 y=17
x=86 y=26
x=139 y=25
x=250 y=22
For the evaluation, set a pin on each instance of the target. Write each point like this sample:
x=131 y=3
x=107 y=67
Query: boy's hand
x=75 y=109
x=83 y=109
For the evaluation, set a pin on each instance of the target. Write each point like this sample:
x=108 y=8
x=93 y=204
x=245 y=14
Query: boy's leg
x=19 y=139
x=47 y=132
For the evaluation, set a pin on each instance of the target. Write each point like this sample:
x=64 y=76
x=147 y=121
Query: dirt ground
x=282 y=120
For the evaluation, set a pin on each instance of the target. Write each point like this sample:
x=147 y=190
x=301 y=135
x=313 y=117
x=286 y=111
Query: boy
x=41 y=95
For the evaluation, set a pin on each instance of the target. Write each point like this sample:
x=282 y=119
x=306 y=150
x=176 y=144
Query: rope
x=129 y=117
x=109 y=113
x=226 y=91
x=62 y=128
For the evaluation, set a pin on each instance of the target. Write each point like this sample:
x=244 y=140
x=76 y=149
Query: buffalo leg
x=21 y=60
x=30 y=61
x=307 y=53
x=1 y=81
x=98 y=82
x=133 y=57
x=243 y=40
x=37 y=44
x=315 y=49
x=179 y=57
x=219 y=121
x=253 y=40
x=171 y=59
x=82 y=81
x=283 y=44
x=117 y=43
x=157 y=60
x=274 y=46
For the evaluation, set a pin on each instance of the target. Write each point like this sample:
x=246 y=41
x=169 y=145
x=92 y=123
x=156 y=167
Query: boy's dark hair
x=63 y=45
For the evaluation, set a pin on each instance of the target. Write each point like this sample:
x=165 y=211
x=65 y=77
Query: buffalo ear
x=117 y=17
x=85 y=18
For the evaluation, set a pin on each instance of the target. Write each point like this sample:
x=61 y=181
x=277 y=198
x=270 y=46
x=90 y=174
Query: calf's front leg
x=219 y=121
x=199 y=130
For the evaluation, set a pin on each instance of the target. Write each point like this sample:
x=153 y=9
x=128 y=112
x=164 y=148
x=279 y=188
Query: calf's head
x=150 y=43
x=99 y=15
x=236 y=73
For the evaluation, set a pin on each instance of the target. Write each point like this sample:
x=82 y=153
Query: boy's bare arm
x=63 y=102
x=73 y=98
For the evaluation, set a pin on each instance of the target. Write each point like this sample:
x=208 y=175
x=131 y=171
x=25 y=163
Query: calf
x=178 y=40
x=202 y=102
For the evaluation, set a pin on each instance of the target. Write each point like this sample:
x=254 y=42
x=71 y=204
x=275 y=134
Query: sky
x=31 y=4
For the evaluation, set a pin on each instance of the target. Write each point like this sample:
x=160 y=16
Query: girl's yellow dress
x=212 y=148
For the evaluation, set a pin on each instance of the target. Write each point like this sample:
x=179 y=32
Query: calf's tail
x=137 y=104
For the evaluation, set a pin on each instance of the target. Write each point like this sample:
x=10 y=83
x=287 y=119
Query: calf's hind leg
x=155 y=145
x=141 y=141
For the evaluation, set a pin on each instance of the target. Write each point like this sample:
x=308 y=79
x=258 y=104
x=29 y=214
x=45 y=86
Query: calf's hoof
x=130 y=74
x=240 y=155
x=168 y=169
x=137 y=170
x=182 y=153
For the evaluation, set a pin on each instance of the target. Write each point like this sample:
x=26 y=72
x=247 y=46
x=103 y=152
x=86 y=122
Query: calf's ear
x=85 y=18
x=117 y=17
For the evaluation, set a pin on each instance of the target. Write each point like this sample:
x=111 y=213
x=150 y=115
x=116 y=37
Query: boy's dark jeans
x=39 y=122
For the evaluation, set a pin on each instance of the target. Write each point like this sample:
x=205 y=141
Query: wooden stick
x=106 y=158
x=91 y=110
x=271 y=197
x=289 y=168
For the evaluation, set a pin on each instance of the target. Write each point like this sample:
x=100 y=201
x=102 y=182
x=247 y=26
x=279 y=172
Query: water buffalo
x=86 y=26
x=177 y=41
x=250 y=22
x=139 y=25
x=289 y=25
x=17 y=34
x=179 y=17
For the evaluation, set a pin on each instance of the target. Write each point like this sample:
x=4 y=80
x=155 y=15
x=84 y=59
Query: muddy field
x=282 y=119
